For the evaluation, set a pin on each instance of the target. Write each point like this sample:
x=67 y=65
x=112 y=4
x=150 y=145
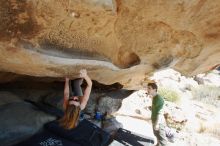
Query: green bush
x=207 y=94
x=169 y=95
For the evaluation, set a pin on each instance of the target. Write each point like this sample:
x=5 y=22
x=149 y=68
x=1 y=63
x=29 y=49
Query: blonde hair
x=71 y=116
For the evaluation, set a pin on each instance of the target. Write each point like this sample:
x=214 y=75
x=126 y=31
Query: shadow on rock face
x=106 y=102
x=20 y=120
x=128 y=59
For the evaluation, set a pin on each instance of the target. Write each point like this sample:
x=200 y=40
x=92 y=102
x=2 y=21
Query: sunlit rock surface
x=116 y=40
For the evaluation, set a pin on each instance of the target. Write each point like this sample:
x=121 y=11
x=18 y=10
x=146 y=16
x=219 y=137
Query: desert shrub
x=214 y=130
x=207 y=94
x=169 y=95
x=209 y=127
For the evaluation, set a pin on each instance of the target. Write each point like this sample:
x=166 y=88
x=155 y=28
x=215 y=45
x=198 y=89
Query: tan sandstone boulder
x=120 y=41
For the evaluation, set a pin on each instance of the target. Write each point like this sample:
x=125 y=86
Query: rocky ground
x=195 y=122
x=186 y=120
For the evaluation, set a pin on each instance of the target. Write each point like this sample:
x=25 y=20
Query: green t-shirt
x=157 y=105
